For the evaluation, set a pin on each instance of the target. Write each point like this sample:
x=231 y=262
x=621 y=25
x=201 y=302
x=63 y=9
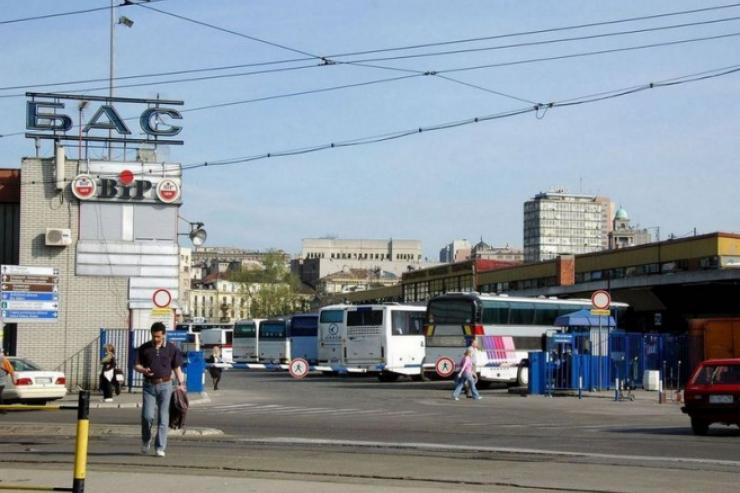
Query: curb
x=23 y=429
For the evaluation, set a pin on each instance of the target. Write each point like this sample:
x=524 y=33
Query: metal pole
x=110 y=68
x=83 y=425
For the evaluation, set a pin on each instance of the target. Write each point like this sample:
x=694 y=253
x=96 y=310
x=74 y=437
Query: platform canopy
x=584 y=318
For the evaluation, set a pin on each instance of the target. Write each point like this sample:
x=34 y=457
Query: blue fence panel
x=125 y=342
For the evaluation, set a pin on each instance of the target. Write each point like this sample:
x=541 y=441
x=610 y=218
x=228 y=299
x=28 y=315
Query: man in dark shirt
x=156 y=360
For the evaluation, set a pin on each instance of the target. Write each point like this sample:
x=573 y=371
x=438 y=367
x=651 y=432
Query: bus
x=505 y=327
x=385 y=338
x=302 y=332
x=274 y=344
x=209 y=338
x=332 y=332
x=246 y=342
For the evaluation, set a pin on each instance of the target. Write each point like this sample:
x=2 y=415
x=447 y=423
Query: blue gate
x=125 y=341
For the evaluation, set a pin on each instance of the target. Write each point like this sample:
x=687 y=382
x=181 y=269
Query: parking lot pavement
x=125 y=399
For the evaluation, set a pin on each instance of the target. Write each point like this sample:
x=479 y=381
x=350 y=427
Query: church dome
x=621 y=215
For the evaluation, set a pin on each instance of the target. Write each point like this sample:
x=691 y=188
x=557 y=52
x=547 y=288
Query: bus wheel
x=522 y=376
x=387 y=376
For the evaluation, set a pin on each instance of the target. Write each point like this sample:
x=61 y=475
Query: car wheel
x=522 y=376
x=699 y=426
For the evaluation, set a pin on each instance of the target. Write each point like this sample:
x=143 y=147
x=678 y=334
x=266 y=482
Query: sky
x=668 y=155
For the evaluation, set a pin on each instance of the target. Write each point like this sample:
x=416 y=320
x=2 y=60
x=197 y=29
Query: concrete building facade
x=559 y=223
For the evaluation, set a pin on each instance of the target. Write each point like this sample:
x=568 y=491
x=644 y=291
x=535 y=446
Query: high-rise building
x=558 y=223
x=457 y=251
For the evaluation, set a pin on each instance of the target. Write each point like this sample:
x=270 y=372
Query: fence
x=125 y=341
x=594 y=360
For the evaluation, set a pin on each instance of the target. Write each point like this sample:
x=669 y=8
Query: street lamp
x=197 y=233
x=128 y=23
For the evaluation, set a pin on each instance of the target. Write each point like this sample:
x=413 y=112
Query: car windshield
x=718 y=374
x=24 y=365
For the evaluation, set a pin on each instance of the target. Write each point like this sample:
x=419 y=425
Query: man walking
x=156 y=360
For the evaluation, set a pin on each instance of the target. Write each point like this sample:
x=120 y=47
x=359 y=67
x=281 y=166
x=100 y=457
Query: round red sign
x=126 y=177
x=83 y=187
x=168 y=191
x=161 y=298
x=601 y=300
x=444 y=366
x=298 y=368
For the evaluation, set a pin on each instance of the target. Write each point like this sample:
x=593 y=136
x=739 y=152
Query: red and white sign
x=601 y=300
x=168 y=191
x=162 y=298
x=83 y=187
x=126 y=177
x=444 y=366
x=298 y=368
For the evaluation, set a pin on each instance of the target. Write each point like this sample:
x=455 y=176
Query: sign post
x=600 y=302
x=29 y=294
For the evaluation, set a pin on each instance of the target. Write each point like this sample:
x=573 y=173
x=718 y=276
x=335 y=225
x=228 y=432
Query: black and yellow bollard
x=83 y=425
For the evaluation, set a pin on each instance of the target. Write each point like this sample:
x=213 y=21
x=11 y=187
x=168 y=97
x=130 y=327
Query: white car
x=32 y=384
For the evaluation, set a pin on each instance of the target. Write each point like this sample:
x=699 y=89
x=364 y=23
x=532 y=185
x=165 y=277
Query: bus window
x=229 y=337
x=495 y=312
x=521 y=314
x=303 y=327
x=332 y=316
x=451 y=312
x=407 y=323
x=245 y=330
x=545 y=314
x=272 y=330
x=364 y=317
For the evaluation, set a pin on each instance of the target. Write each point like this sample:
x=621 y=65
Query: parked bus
x=274 y=344
x=246 y=340
x=506 y=329
x=332 y=332
x=302 y=332
x=210 y=338
x=387 y=339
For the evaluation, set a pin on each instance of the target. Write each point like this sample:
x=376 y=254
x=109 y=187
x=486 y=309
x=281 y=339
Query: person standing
x=215 y=371
x=6 y=373
x=465 y=375
x=157 y=360
x=107 y=372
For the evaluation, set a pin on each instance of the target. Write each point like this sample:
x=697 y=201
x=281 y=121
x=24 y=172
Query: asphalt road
x=356 y=430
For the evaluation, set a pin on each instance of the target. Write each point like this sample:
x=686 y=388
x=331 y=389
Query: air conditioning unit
x=58 y=237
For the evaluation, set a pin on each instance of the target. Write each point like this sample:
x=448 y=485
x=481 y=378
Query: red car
x=713 y=394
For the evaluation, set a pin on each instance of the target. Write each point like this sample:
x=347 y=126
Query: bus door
x=246 y=344
x=364 y=335
x=331 y=333
x=274 y=345
x=303 y=335
x=405 y=342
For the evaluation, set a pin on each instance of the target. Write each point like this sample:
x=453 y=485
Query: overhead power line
x=72 y=12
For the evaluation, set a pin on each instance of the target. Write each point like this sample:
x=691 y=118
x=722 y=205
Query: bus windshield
x=364 y=317
x=332 y=316
x=303 y=327
x=451 y=312
x=245 y=330
x=272 y=330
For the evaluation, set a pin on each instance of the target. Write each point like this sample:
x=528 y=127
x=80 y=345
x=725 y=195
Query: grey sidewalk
x=126 y=399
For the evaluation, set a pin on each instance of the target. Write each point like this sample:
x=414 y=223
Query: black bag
x=178 y=409
x=118 y=380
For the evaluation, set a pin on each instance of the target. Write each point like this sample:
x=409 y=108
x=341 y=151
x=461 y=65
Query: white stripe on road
x=465 y=448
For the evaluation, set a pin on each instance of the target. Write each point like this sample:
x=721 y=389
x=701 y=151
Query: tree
x=273 y=290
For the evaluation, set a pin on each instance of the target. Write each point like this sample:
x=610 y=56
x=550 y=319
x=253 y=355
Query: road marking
x=509 y=450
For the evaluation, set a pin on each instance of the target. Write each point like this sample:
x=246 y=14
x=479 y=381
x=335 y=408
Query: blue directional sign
x=177 y=335
x=29 y=294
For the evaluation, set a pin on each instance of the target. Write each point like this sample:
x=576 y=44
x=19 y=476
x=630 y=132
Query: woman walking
x=107 y=372
x=466 y=375
x=215 y=371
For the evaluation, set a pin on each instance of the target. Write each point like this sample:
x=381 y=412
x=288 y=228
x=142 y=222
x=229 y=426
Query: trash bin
x=195 y=368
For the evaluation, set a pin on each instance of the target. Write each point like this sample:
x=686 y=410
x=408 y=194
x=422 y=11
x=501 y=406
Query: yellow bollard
x=83 y=425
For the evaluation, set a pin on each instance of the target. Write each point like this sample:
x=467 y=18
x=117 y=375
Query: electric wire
x=326 y=60
x=73 y=12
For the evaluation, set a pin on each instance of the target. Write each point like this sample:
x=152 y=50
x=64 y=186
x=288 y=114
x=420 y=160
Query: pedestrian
x=215 y=371
x=107 y=372
x=6 y=373
x=466 y=375
x=157 y=360
x=474 y=355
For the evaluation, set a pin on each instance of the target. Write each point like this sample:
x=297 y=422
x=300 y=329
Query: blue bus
x=303 y=335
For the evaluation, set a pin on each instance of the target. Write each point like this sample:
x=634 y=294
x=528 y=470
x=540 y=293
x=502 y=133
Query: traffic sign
x=298 y=368
x=162 y=298
x=601 y=300
x=600 y=312
x=29 y=294
x=444 y=366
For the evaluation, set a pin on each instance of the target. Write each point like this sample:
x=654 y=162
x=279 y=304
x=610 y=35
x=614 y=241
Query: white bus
x=246 y=340
x=505 y=327
x=274 y=343
x=387 y=339
x=331 y=336
x=209 y=338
